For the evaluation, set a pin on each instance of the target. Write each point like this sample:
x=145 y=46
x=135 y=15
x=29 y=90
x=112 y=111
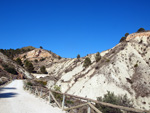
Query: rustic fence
x=89 y=103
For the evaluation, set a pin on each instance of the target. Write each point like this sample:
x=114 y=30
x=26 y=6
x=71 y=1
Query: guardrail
x=48 y=95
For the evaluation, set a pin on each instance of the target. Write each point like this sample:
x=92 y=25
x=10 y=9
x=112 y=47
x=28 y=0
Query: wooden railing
x=48 y=94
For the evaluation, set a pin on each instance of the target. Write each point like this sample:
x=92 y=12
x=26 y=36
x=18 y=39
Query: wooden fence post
x=63 y=102
x=89 y=108
x=41 y=93
x=35 y=91
x=49 y=98
x=55 y=99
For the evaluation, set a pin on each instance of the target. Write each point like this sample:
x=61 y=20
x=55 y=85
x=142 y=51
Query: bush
x=136 y=65
x=78 y=56
x=113 y=99
x=141 y=30
x=11 y=70
x=126 y=34
x=29 y=66
x=43 y=83
x=41 y=47
x=29 y=83
x=57 y=95
x=97 y=57
x=57 y=88
x=36 y=61
x=43 y=70
x=59 y=57
x=122 y=39
x=87 y=62
x=18 y=60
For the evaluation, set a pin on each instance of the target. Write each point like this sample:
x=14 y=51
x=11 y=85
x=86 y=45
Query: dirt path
x=13 y=99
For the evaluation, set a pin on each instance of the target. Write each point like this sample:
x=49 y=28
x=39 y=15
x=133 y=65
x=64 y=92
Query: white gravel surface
x=13 y=99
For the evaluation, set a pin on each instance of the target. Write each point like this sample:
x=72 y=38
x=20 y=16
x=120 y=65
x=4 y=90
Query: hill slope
x=11 y=70
x=124 y=69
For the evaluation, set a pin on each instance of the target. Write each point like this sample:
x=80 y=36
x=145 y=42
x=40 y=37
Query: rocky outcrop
x=141 y=34
x=39 y=57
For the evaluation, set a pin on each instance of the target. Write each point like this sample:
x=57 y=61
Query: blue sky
x=70 y=27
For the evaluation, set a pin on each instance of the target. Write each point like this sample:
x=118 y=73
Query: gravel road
x=14 y=99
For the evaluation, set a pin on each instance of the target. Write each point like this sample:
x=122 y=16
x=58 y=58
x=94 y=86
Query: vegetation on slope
x=113 y=99
x=13 y=52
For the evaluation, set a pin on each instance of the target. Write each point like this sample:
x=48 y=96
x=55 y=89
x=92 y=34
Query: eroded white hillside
x=124 y=69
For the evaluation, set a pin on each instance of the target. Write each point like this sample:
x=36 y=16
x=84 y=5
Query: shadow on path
x=7 y=88
x=7 y=95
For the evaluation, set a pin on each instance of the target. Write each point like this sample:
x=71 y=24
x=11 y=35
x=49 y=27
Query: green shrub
x=97 y=57
x=29 y=83
x=87 y=62
x=43 y=83
x=11 y=53
x=122 y=39
x=141 y=30
x=36 y=61
x=11 y=70
x=18 y=60
x=69 y=102
x=59 y=57
x=126 y=34
x=78 y=56
x=57 y=95
x=41 y=47
x=29 y=66
x=43 y=70
x=136 y=65
x=113 y=99
x=57 y=88
x=107 y=60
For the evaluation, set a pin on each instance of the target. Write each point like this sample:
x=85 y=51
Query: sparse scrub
x=43 y=83
x=107 y=60
x=43 y=70
x=11 y=53
x=29 y=83
x=41 y=47
x=97 y=57
x=18 y=60
x=141 y=30
x=78 y=56
x=87 y=62
x=36 y=61
x=113 y=99
x=122 y=39
x=57 y=95
x=29 y=66
x=9 y=69
x=126 y=34
x=59 y=57
x=136 y=65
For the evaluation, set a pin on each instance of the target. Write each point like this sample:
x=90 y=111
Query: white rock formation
x=124 y=69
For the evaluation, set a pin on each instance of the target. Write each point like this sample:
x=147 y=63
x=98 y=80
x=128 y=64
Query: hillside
x=9 y=70
x=39 y=57
x=124 y=69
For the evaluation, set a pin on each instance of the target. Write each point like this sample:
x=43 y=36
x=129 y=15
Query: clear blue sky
x=70 y=27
